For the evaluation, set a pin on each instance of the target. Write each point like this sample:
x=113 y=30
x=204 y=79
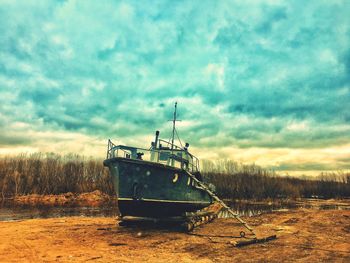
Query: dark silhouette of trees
x=237 y=181
x=54 y=174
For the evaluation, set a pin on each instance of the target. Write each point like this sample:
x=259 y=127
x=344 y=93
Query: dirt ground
x=95 y=198
x=304 y=235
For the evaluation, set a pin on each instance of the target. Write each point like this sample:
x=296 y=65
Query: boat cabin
x=161 y=151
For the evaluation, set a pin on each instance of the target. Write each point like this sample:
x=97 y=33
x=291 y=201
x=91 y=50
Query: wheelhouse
x=161 y=152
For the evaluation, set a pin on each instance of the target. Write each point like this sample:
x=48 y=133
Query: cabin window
x=176 y=164
x=185 y=164
x=163 y=156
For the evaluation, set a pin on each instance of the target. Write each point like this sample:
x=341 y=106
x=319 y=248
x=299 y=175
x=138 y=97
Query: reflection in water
x=10 y=212
x=253 y=209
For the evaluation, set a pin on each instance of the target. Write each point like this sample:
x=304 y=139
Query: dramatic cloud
x=256 y=81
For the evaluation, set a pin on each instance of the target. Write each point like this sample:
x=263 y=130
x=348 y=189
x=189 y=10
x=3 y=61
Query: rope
x=215 y=197
x=178 y=137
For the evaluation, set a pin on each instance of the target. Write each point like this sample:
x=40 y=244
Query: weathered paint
x=153 y=189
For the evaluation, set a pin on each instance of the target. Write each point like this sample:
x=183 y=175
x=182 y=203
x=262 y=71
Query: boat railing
x=176 y=157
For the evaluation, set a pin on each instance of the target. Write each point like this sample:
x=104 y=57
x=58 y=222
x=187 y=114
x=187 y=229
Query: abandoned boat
x=157 y=182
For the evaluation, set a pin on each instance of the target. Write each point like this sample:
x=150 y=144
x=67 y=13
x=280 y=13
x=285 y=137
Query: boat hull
x=148 y=189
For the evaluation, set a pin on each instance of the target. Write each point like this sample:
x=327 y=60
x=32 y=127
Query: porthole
x=176 y=177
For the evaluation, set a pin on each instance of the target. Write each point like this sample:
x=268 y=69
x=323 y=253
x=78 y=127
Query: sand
x=304 y=235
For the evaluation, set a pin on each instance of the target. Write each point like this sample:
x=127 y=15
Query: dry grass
x=52 y=174
x=238 y=181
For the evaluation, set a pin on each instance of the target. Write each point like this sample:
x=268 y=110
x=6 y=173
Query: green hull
x=153 y=189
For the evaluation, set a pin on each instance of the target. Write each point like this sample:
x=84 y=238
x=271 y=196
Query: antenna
x=174 y=121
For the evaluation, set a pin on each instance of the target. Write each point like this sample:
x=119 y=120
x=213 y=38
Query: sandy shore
x=303 y=235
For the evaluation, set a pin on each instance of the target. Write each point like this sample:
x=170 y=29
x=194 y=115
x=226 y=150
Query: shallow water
x=253 y=209
x=10 y=212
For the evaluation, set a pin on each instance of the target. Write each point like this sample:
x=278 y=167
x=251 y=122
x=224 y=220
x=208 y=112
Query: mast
x=174 y=121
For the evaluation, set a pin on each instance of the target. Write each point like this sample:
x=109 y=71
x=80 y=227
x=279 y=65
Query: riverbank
x=95 y=198
x=98 y=198
x=303 y=235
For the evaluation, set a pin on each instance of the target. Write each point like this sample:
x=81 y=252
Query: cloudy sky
x=256 y=81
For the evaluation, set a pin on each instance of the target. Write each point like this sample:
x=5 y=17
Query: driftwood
x=254 y=241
